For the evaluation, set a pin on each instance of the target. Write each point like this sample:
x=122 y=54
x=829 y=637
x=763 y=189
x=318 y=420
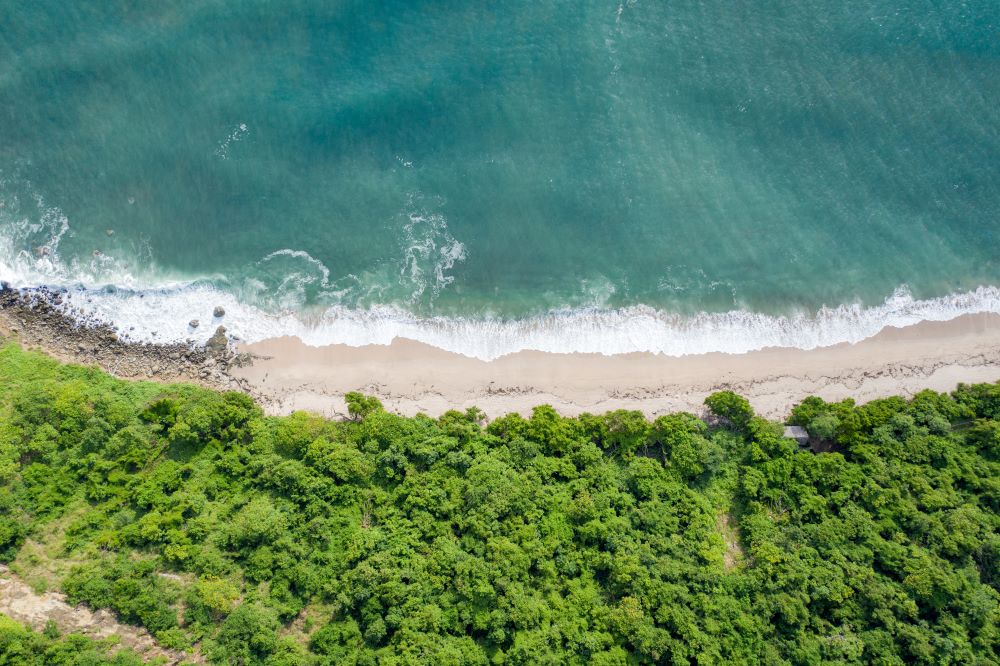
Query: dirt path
x=20 y=603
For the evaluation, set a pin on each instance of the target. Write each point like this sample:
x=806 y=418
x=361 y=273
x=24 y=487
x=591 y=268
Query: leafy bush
x=130 y=588
x=732 y=408
x=19 y=646
x=600 y=539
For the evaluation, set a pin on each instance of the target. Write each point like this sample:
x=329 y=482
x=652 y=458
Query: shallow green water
x=504 y=159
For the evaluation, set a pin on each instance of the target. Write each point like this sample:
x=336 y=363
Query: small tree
x=247 y=636
x=824 y=427
x=732 y=408
x=627 y=431
x=360 y=405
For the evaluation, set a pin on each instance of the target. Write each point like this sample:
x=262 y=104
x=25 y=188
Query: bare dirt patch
x=730 y=531
x=19 y=602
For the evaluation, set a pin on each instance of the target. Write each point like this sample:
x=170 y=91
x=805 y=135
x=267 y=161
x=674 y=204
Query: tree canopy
x=600 y=539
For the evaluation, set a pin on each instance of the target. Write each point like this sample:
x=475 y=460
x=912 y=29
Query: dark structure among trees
x=798 y=433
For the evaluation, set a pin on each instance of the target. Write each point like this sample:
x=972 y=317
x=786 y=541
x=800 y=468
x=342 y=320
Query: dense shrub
x=602 y=539
x=19 y=646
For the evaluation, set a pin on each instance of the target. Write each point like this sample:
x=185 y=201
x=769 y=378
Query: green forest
x=600 y=539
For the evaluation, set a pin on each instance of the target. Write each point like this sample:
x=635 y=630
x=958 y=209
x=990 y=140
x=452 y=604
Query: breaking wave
x=142 y=308
x=161 y=314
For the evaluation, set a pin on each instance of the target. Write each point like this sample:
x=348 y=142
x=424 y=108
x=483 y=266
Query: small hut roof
x=798 y=433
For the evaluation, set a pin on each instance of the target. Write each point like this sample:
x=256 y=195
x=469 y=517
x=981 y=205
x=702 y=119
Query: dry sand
x=411 y=377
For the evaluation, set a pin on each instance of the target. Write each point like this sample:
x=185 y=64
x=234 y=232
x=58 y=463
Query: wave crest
x=103 y=288
x=161 y=314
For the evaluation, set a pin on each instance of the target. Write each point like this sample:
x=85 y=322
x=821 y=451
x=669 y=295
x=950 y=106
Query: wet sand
x=410 y=377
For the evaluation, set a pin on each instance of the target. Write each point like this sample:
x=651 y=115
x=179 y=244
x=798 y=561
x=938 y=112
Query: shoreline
x=284 y=374
x=410 y=377
x=37 y=319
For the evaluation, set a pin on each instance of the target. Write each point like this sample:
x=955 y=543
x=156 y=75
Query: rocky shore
x=46 y=319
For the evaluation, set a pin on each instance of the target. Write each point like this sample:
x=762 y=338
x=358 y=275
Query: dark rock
x=194 y=323
x=219 y=311
x=218 y=342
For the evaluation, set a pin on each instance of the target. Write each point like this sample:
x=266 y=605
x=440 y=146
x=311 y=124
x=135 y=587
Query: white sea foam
x=160 y=310
x=305 y=256
x=429 y=252
x=161 y=314
x=31 y=233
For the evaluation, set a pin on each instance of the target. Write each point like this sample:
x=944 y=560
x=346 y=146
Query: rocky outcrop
x=218 y=343
x=47 y=319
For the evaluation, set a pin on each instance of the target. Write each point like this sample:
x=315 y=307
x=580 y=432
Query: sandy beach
x=410 y=377
x=285 y=374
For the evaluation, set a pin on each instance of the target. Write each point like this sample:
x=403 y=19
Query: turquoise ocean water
x=486 y=177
